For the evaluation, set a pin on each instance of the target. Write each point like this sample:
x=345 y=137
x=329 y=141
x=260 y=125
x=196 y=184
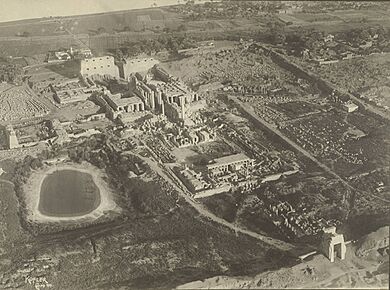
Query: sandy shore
x=33 y=187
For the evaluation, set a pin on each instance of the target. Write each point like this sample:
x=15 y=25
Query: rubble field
x=19 y=102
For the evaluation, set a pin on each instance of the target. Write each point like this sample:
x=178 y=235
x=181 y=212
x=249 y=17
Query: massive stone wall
x=104 y=65
x=132 y=66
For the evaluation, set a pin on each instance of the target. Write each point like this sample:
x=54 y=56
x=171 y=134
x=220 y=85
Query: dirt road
x=169 y=176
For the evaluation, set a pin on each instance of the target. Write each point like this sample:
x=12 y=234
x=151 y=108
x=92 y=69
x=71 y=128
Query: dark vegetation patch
x=68 y=69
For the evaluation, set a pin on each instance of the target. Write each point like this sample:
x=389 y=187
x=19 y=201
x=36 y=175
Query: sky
x=24 y=9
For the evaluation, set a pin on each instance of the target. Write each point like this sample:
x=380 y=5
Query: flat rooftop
x=71 y=84
x=351 y=105
x=173 y=88
x=120 y=102
x=102 y=58
x=229 y=159
x=140 y=60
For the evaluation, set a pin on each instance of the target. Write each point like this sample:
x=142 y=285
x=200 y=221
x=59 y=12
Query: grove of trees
x=168 y=42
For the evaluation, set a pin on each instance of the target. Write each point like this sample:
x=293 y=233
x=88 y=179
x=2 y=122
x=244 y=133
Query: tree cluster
x=224 y=9
x=362 y=34
x=134 y=194
x=168 y=42
x=10 y=73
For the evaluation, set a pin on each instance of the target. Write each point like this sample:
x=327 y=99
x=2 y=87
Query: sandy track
x=33 y=186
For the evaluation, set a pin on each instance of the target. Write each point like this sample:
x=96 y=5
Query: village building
x=58 y=56
x=350 y=107
x=81 y=53
x=329 y=38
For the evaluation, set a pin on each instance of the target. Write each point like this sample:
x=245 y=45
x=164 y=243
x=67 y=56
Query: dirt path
x=168 y=175
x=334 y=278
x=6 y=181
x=369 y=107
x=326 y=275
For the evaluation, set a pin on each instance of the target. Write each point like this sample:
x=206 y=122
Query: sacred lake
x=68 y=193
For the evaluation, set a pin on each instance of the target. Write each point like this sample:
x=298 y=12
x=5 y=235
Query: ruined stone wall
x=300 y=72
x=133 y=66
